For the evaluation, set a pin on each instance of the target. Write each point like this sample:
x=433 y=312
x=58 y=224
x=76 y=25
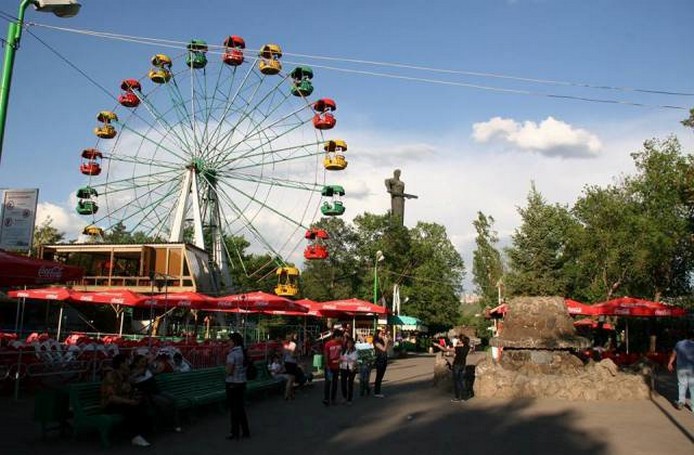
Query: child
x=365 y=359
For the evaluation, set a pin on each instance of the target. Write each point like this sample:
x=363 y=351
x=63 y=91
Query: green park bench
x=194 y=388
x=87 y=412
x=264 y=382
x=189 y=390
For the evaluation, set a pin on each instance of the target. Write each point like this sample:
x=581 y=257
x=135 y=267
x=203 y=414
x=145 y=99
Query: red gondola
x=233 y=53
x=129 y=98
x=316 y=249
x=90 y=162
x=324 y=119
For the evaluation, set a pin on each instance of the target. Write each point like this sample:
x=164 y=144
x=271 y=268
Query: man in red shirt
x=331 y=353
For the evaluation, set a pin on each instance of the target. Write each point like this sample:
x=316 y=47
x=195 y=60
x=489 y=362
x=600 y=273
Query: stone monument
x=396 y=189
x=538 y=340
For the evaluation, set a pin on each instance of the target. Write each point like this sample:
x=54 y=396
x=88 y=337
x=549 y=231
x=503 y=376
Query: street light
x=379 y=257
x=61 y=8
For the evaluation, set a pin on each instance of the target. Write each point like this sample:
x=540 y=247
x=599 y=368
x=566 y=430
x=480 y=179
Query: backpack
x=251 y=369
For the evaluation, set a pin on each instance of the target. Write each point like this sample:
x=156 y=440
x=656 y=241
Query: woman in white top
x=348 y=369
x=290 y=365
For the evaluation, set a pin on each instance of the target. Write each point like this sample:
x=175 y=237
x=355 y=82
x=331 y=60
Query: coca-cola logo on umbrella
x=50 y=273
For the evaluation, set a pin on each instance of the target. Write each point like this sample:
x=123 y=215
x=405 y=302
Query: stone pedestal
x=536 y=360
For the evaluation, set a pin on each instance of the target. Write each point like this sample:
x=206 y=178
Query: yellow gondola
x=269 y=62
x=334 y=158
x=287 y=281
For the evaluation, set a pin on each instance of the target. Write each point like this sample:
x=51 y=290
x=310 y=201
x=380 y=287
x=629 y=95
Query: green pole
x=14 y=34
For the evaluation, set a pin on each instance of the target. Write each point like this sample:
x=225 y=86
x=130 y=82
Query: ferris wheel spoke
x=209 y=107
x=266 y=207
x=180 y=108
x=252 y=150
x=143 y=205
x=268 y=135
x=248 y=112
x=138 y=160
x=229 y=103
x=128 y=183
x=284 y=183
x=160 y=119
x=247 y=224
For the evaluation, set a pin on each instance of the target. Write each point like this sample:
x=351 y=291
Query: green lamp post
x=379 y=257
x=61 y=8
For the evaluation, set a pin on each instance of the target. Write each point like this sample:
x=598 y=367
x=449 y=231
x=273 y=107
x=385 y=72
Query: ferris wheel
x=216 y=147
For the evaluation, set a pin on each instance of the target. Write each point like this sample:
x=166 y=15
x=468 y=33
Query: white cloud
x=64 y=220
x=551 y=137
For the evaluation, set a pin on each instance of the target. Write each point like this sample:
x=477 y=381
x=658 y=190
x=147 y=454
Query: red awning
x=257 y=301
x=42 y=294
x=588 y=322
x=111 y=297
x=630 y=306
x=310 y=305
x=352 y=306
x=24 y=271
x=576 y=307
x=193 y=300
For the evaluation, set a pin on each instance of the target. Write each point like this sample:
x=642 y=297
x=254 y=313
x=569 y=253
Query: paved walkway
x=414 y=418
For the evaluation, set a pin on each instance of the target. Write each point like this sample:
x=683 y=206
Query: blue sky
x=461 y=149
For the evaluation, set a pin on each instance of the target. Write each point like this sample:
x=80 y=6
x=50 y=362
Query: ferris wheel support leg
x=218 y=249
x=188 y=189
x=179 y=217
x=199 y=238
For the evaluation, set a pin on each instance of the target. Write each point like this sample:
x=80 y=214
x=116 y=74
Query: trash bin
x=318 y=362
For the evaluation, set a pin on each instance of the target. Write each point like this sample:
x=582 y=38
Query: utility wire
x=73 y=66
x=182 y=46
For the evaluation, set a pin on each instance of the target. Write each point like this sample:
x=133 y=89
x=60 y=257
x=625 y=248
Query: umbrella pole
x=122 y=318
x=627 y=334
x=60 y=323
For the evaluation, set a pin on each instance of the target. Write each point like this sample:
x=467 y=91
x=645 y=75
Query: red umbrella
x=588 y=322
x=257 y=301
x=629 y=306
x=21 y=270
x=310 y=305
x=43 y=294
x=111 y=297
x=352 y=306
x=576 y=307
x=193 y=300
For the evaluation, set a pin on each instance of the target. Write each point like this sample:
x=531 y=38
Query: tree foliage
x=421 y=261
x=537 y=257
x=46 y=234
x=487 y=265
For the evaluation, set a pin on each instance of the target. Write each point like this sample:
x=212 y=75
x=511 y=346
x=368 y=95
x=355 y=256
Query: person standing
x=380 y=343
x=236 y=362
x=348 y=369
x=290 y=365
x=683 y=355
x=331 y=352
x=461 y=349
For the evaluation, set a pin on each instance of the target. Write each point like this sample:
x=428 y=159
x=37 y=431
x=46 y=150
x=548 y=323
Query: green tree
x=433 y=277
x=487 y=266
x=336 y=277
x=537 y=255
x=662 y=189
x=46 y=234
x=604 y=248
